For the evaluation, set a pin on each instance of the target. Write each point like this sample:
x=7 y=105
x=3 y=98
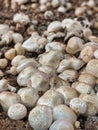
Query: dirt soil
x=6 y=15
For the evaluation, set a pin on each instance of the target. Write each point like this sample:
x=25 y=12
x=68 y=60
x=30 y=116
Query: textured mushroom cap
x=31 y=44
x=17 y=111
x=78 y=105
x=64 y=112
x=53 y=58
x=29 y=96
x=17 y=38
x=40 y=118
x=16 y=60
x=68 y=93
x=3 y=63
x=3 y=85
x=24 y=75
x=4 y=28
x=21 y=18
x=61 y=124
x=7 y=99
x=27 y=62
x=21 y=1
x=92 y=67
x=59 y=46
x=42 y=81
x=55 y=26
x=51 y=98
x=71 y=25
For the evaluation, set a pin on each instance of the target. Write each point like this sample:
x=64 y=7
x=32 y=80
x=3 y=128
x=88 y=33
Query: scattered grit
x=48 y=64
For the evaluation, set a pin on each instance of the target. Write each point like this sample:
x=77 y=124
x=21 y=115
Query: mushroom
x=87 y=78
x=92 y=67
x=78 y=105
x=35 y=43
x=4 y=28
x=3 y=85
x=10 y=54
x=24 y=75
x=17 y=111
x=42 y=81
x=72 y=25
x=29 y=96
x=16 y=60
x=3 y=63
x=53 y=58
x=82 y=87
x=48 y=70
x=61 y=124
x=64 y=112
x=70 y=63
x=21 y=18
x=40 y=117
x=92 y=109
x=26 y=63
x=51 y=98
x=55 y=46
x=56 y=82
x=74 y=45
x=69 y=75
x=55 y=26
x=8 y=98
x=19 y=49
x=68 y=93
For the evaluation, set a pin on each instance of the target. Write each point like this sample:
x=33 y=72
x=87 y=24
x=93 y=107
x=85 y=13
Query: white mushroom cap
x=24 y=75
x=17 y=38
x=68 y=93
x=8 y=98
x=10 y=54
x=35 y=43
x=7 y=37
x=78 y=105
x=74 y=45
x=56 y=82
x=51 y=98
x=87 y=78
x=40 y=118
x=92 y=67
x=48 y=70
x=55 y=26
x=21 y=18
x=61 y=124
x=64 y=112
x=29 y=96
x=21 y=1
x=69 y=75
x=55 y=46
x=16 y=60
x=82 y=87
x=53 y=58
x=4 y=28
x=27 y=62
x=40 y=81
x=3 y=85
x=71 y=25
x=31 y=43
x=17 y=111
x=3 y=63
x=96 y=54
x=70 y=63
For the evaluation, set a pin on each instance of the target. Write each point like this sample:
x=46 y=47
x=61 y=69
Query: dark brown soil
x=6 y=15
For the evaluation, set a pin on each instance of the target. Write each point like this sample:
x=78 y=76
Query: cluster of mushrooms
x=58 y=84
